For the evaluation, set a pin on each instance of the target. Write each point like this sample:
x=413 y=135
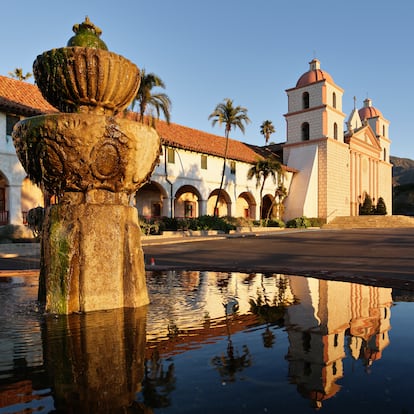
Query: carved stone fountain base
x=92 y=259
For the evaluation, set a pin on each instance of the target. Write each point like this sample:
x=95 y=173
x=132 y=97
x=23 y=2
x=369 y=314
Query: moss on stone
x=59 y=276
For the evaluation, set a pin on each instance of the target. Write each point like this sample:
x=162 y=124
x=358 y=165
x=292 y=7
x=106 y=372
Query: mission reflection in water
x=256 y=342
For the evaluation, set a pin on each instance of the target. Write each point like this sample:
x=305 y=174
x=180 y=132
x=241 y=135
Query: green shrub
x=316 y=221
x=149 y=226
x=169 y=223
x=298 y=222
x=186 y=224
x=381 y=208
x=366 y=207
x=274 y=223
x=205 y=222
x=215 y=223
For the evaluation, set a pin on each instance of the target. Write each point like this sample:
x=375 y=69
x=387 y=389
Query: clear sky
x=248 y=50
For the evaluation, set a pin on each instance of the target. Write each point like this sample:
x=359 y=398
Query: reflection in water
x=202 y=330
x=232 y=361
x=95 y=361
x=328 y=313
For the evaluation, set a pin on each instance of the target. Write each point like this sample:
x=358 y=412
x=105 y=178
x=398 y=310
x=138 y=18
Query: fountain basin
x=83 y=79
x=87 y=154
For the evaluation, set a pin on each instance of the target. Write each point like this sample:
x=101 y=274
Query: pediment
x=364 y=137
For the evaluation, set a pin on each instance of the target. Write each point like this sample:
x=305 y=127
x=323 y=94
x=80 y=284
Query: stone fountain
x=93 y=162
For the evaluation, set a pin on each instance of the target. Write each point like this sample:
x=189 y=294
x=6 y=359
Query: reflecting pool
x=212 y=342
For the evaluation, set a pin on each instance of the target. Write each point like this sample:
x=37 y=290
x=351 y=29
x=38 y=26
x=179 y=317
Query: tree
x=280 y=195
x=149 y=101
x=261 y=170
x=366 y=207
x=18 y=74
x=267 y=129
x=381 y=208
x=232 y=117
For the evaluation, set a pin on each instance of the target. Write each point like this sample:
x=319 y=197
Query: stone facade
x=337 y=170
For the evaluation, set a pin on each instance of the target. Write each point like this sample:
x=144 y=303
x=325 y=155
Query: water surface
x=212 y=342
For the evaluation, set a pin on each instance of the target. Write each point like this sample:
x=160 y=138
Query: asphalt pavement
x=372 y=256
x=382 y=257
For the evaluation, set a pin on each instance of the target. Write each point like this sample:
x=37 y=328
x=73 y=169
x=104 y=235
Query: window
x=305 y=131
x=335 y=130
x=233 y=167
x=383 y=130
x=11 y=121
x=189 y=209
x=156 y=209
x=203 y=162
x=334 y=100
x=385 y=154
x=305 y=100
x=171 y=156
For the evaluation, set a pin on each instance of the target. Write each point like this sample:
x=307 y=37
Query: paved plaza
x=373 y=256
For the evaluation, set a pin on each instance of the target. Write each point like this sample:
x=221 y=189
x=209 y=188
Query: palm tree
x=261 y=170
x=267 y=129
x=232 y=117
x=149 y=101
x=18 y=74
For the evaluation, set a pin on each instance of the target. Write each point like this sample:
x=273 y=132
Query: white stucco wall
x=187 y=171
x=303 y=197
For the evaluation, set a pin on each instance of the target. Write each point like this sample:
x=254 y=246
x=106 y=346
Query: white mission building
x=330 y=161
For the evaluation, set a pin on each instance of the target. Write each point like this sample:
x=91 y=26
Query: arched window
x=334 y=100
x=335 y=131
x=383 y=130
x=305 y=100
x=305 y=131
x=385 y=154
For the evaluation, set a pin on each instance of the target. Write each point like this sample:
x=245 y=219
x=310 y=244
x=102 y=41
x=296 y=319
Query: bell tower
x=315 y=146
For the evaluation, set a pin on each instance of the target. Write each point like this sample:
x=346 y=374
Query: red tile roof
x=22 y=98
x=198 y=141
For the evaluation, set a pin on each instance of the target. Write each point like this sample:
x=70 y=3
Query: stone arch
x=149 y=200
x=186 y=202
x=246 y=205
x=267 y=205
x=224 y=205
x=4 y=211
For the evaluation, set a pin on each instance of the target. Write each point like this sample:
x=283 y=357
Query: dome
x=368 y=111
x=315 y=74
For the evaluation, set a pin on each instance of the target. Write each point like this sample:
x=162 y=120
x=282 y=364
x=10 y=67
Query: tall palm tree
x=18 y=74
x=262 y=170
x=149 y=101
x=230 y=116
x=267 y=129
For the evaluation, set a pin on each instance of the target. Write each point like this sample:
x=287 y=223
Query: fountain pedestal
x=93 y=162
x=94 y=259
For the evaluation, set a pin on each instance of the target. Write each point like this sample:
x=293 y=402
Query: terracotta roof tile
x=22 y=98
x=195 y=140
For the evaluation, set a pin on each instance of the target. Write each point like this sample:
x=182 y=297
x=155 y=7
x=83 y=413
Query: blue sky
x=248 y=50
